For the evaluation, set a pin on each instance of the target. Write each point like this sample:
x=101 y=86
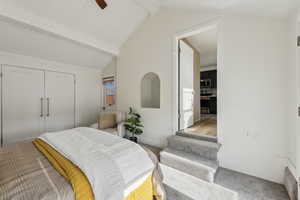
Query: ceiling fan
x=102 y=4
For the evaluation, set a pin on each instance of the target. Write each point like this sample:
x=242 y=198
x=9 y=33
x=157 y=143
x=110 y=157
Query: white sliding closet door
x=60 y=101
x=23 y=92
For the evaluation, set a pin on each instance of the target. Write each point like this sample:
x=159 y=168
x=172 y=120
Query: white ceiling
x=96 y=34
x=82 y=19
x=268 y=8
x=206 y=43
x=18 y=39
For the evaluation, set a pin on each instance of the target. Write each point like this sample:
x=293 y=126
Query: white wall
x=293 y=95
x=208 y=59
x=298 y=124
x=298 y=89
x=149 y=49
x=251 y=86
x=88 y=84
x=298 y=118
x=110 y=69
x=252 y=91
x=45 y=45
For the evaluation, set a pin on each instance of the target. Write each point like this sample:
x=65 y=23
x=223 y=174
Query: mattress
x=26 y=174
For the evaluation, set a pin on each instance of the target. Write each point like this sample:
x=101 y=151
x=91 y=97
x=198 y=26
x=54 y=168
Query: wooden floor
x=205 y=127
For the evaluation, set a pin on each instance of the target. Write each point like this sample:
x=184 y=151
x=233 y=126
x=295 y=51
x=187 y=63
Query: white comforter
x=110 y=163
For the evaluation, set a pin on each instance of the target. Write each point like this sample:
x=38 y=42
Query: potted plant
x=133 y=125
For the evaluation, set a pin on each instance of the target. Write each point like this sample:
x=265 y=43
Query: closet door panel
x=22 y=93
x=60 y=101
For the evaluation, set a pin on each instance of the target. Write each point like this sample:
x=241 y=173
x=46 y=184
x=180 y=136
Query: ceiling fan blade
x=101 y=3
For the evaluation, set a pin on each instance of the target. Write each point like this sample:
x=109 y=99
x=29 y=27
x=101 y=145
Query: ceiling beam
x=13 y=14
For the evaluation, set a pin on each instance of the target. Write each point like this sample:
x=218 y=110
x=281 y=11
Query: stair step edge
x=211 y=165
x=197 y=136
x=192 y=141
x=192 y=186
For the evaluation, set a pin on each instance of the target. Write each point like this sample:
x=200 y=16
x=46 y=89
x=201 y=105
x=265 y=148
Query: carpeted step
x=190 y=163
x=173 y=194
x=205 y=149
x=197 y=136
x=182 y=186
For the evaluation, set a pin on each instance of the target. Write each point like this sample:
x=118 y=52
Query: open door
x=186 y=85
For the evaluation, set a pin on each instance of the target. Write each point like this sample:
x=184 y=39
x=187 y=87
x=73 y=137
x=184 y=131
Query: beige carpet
x=205 y=127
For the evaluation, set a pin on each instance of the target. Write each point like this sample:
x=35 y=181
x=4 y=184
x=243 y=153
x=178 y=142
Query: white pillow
x=119 y=131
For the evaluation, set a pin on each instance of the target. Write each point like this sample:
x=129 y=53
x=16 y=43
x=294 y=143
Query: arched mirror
x=150 y=91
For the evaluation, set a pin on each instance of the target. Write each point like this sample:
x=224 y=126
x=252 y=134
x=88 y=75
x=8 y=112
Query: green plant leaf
x=137 y=115
x=133 y=124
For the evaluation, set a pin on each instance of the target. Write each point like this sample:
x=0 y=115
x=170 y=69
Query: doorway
x=197 y=83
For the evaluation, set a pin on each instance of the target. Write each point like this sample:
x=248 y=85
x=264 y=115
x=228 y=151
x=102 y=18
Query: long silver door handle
x=42 y=107
x=48 y=107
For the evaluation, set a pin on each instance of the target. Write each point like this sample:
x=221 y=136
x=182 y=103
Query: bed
x=81 y=163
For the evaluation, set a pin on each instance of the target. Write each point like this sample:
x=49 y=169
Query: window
x=109 y=92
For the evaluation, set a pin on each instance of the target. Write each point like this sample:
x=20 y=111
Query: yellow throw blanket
x=78 y=180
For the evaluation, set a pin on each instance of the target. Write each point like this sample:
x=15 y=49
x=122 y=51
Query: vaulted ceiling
x=267 y=8
x=81 y=22
x=94 y=34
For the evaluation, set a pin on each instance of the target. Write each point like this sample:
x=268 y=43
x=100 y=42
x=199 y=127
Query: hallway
x=205 y=127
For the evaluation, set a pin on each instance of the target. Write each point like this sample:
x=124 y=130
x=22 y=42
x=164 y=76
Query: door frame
x=202 y=27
